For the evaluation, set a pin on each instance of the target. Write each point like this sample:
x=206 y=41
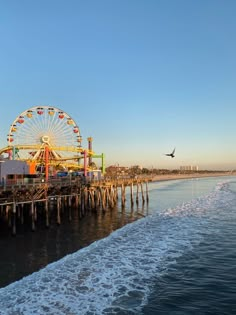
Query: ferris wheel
x=43 y=126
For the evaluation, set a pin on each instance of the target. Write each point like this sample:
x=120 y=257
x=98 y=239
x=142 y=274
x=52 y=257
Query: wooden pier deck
x=21 y=199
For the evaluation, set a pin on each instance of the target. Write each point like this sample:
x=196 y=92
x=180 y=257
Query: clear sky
x=139 y=76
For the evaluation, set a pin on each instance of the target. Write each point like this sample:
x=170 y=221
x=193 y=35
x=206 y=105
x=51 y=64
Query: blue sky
x=139 y=76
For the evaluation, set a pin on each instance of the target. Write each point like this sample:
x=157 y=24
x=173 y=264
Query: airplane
x=171 y=154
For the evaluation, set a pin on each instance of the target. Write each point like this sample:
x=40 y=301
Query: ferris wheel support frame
x=85 y=163
x=84 y=156
x=46 y=162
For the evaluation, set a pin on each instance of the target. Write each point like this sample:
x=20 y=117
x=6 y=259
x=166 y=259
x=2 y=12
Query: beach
x=189 y=176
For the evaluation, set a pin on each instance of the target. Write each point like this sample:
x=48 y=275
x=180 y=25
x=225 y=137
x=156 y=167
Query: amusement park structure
x=49 y=140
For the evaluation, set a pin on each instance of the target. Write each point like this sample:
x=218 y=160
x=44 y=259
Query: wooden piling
x=143 y=199
x=21 y=213
x=58 y=210
x=103 y=199
x=131 y=195
x=137 y=193
x=32 y=216
x=14 y=219
x=46 y=213
x=123 y=195
x=147 y=197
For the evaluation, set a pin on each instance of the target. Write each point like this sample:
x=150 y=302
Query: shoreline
x=163 y=177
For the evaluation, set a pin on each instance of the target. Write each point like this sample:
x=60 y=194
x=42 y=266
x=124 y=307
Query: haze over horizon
x=140 y=77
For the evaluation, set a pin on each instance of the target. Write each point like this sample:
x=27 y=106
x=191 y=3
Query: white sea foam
x=116 y=272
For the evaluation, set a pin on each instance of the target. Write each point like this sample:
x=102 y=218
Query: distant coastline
x=156 y=178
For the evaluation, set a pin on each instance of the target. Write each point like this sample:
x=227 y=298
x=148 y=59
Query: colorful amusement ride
x=49 y=140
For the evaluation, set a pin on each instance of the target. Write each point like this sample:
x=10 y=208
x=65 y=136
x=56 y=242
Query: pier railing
x=69 y=181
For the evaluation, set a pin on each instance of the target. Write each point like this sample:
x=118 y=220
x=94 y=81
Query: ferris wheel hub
x=45 y=139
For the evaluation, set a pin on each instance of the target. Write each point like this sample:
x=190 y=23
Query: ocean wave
x=116 y=274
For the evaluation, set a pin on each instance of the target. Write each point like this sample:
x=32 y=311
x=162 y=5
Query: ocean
x=174 y=255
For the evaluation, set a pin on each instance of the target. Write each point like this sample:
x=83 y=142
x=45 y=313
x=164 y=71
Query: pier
x=54 y=170
x=38 y=198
